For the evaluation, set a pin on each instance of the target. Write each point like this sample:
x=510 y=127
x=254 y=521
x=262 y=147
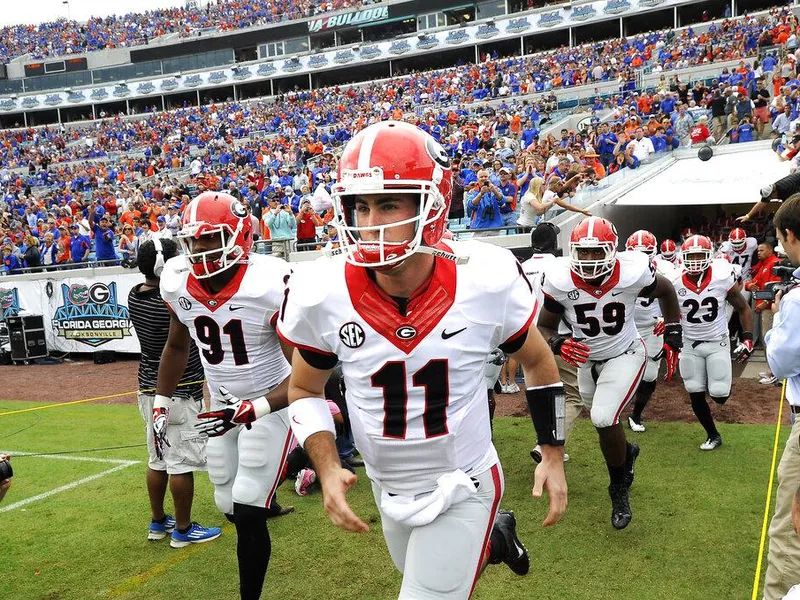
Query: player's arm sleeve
x=520 y=309
x=783 y=343
x=298 y=326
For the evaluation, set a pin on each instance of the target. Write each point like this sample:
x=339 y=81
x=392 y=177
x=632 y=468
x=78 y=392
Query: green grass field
x=695 y=531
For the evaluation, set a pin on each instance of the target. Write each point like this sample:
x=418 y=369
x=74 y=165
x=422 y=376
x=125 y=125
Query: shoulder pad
x=558 y=274
x=314 y=282
x=173 y=277
x=632 y=266
x=490 y=267
x=263 y=274
x=723 y=270
x=537 y=263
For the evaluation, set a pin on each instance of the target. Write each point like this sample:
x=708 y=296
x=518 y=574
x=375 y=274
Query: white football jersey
x=534 y=269
x=648 y=310
x=601 y=317
x=744 y=258
x=234 y=329
x=703 y=303
x=415 y=380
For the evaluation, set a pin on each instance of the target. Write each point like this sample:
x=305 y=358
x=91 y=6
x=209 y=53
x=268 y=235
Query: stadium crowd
x=146 y=165
x=62 y=37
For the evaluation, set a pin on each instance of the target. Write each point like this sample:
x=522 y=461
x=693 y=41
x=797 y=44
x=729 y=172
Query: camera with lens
x=6 y=472
x=787 y=282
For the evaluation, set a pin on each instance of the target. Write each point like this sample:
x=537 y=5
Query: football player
x=650 y=325
x=544 y=241
x=740 y=250
x=703 y=286
x=412 y=319
x=669 y=252
x=227 y=300
x=595 y=291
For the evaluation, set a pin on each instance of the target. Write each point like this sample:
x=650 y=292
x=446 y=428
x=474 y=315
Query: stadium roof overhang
x=734 y=175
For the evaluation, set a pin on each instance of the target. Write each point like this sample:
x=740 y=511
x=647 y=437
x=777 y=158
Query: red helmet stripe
x=365 y=151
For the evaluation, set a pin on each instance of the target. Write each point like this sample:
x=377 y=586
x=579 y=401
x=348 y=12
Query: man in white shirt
x=642 y=146
x=783 y=356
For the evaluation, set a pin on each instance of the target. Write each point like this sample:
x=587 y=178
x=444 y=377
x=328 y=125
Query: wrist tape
x=308 y=416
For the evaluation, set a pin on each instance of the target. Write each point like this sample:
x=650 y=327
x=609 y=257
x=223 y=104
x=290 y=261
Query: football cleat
x=638 y=427
x=712 y=443
x=197 y=534
x=516 y=553
x=630 y=463
x=620 y=506
x=158 y=531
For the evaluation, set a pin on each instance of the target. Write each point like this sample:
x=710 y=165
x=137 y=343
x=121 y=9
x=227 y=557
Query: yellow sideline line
x=95 y=399
x=764 y=525
x=133 y=583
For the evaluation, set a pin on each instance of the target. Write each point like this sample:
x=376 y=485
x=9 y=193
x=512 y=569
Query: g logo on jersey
x=352 y=335
x=573 y=295
x=406 y=332
x=184 y=303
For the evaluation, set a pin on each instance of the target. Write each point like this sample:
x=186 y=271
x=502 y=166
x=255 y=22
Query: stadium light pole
x=69 y=16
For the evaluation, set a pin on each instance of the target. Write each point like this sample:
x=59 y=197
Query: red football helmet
x=668 y=250
x=696 y=253
x=644 y=241
x=687 y=233
x=592 y=234
x=213 y=213
x=738 y=239
x=392 y=157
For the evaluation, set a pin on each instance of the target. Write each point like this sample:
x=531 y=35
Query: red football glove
x=239 y=412
x=659 y=328
x=671 y=358
x=573 y=352
x=160 y=420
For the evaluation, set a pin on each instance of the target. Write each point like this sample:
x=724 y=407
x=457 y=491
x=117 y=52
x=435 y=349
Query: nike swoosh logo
x=294 y=418
x=447 y=336
x=236 y=307
x=616 y=293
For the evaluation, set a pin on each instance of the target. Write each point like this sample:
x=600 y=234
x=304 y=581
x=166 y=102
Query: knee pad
x=692 y=373
x=719 y=370
x=254 y=448
x=651 y=371
x=249 y=490
x=602 y=417
x=437 y=574
x=221 y=467
x=223 y=499
x=646 y=388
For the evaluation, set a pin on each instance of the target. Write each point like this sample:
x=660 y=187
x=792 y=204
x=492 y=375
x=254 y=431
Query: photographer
x=307 y=223
x=6 y=472
x=484 y=200
x=764 y=275
x=783 y=356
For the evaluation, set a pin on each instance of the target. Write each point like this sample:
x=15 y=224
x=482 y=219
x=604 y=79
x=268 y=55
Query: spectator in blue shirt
x=484 y=201
x=508 y=208
x=104 y=241
x=79 y=245
x=10 y=261
x=605 y=145
x=659 y=142
x=744 y=131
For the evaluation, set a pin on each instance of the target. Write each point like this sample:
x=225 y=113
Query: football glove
x=745 y=348
x=673 y=336
x=671 y=359
x=659 y=328
x=160 y=420
x=239 y=412
x=573 y=352
x=496 y=357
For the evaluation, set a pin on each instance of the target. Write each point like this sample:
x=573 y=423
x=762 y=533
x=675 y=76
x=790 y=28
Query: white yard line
x=120 y=464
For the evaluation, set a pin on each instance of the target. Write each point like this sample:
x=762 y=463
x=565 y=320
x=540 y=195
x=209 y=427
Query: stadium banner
x=544 y=19
x=81 y=314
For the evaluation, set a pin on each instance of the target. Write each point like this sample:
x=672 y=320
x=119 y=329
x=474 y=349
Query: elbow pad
x=547 y=405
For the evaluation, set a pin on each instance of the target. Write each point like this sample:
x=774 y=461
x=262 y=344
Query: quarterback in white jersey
x=544 y=242
x=595 y=291
x=650 y=325
x=704 y=286
x=227 y=301
x=412 y=321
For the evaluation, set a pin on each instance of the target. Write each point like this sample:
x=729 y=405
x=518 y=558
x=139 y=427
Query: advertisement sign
x=361 y=17
x=91 y=314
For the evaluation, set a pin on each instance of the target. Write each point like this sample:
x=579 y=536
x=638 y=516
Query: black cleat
x=630 y=463
x=516 y=553
x=620 y=506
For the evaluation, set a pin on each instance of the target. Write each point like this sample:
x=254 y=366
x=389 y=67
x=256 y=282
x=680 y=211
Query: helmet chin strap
x=459 y=260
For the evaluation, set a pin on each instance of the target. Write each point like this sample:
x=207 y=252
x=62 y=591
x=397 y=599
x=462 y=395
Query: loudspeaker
x=27 y=337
